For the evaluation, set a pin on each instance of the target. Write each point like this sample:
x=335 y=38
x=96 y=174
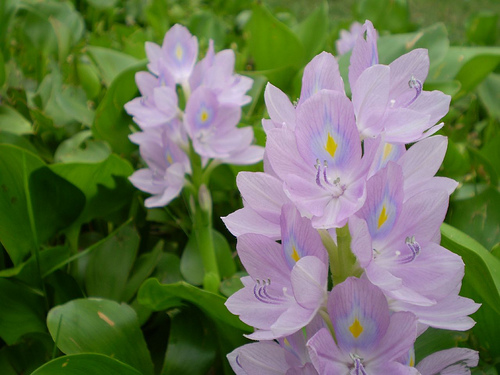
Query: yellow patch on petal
x=169 y=159
x=204 y=116
x=179 y=52
x=412 y=361
x=331 y=145
x=356 y=328
x=382 y=217
x=295 y=254
x=387 y=150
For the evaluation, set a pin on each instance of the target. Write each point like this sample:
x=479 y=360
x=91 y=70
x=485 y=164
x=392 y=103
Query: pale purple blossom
x=348 y=38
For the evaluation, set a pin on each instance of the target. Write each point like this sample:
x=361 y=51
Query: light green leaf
x=100 y=326
x=85 y=364
x=272 y=45
x=110 y=62
x=482 y=269
x=13 y=122
x=489 y=93
x=166 y=296
x=71 y=150
x=313 y=31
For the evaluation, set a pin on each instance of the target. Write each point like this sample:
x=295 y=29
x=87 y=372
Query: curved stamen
x=260 y=292
x=417 y=85
x=414 y=248
x=318 y=167
x=325 y=165
x=358 y=365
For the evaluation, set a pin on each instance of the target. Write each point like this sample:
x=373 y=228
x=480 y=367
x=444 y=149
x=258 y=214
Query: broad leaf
x=100 y=326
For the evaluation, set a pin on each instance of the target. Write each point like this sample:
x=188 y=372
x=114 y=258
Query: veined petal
x=309 y=280
x=456 y=361
x=322 y=72
x=246 y=220
x=360 y=315
x=259 y=358
x=180 y=50
x=325 y=354
x=279 y=107
x=326 y=131
x=364 y=53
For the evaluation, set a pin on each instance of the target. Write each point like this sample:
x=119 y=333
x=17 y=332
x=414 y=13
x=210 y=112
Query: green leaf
x=56 y=202
x=206 y=25
x=489 y=93
x=111 y=122
x=165 y=296
x=272 y=45
x=482 y=28
x=434 y=38
x=110 y=264
x=434 y=340
x=102 y=4
x=478 y=216
x=313 y=31
x=192 y=265
x=100 y=326
x=110 y=62
x=88 y=76
x=85 y=364
x=71 y=150
x=2 y=69
x=22 y=311
x=482 y=270
x=104 y=184
x=16 y=232
x=392 y=15
x=17 y=140
x=13 y=122
x=189 y=338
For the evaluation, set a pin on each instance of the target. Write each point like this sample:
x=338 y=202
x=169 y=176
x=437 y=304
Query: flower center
x=324 y=182
x=260 y=291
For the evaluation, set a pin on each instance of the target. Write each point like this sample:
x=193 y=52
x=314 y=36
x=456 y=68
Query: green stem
x=326 y=318
x=202 y=224
x=342 y=261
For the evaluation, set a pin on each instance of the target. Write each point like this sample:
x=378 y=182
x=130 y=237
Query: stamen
x=417 y=85
x=325 y=165
x=414 y=248
x=358 y=365
x=260 y=292
x=318 y=167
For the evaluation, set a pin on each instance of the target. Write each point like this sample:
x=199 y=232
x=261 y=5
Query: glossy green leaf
x=433 y=38
x=110 y=264
x=489 y=93
x=392 y=15
x=271 y=43
x=104 y=184
x=478 y=216
x=22 y=311
x=165 y=296
x=482 y=270
x=189 y=338
x=13 y=122
x=231 y=285
x=192 y=264
x=482 y=28
x=88 y=76
x=85 y=364
x=434 y=340
x=17 y=140
x=100 y=326
x=72 y=150
x=110 y=62
x=313 y=31
x=111 y=122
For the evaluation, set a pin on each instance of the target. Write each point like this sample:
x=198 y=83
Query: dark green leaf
x=482 y=270
x=100 y=326
x=111 y=122
x=482 y=28
x=313 y=31
x=189 y=338
x=85 y=364
x=22 y=311
x=13 y=122
x=165 y=296
x=489 y=93
x=110 y=62
x=110 y=264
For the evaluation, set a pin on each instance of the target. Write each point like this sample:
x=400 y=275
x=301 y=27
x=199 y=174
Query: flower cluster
x=340 y=187
x=213 y=97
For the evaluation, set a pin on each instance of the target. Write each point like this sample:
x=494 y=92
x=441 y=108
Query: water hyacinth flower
x=208 y=123
x=348 y=38
x=389 y=99
x=287 y=282
x=368 y=338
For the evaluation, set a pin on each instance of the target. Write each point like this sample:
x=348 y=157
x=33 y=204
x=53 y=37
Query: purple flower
x=287 y=282
x=287 y=356
x=348 y=38
x=456 y=361
x=393 y=240
x=320 y=162
x=368 y=338
x=167 y=165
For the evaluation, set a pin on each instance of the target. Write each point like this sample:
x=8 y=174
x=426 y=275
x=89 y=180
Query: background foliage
x=90 y=280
